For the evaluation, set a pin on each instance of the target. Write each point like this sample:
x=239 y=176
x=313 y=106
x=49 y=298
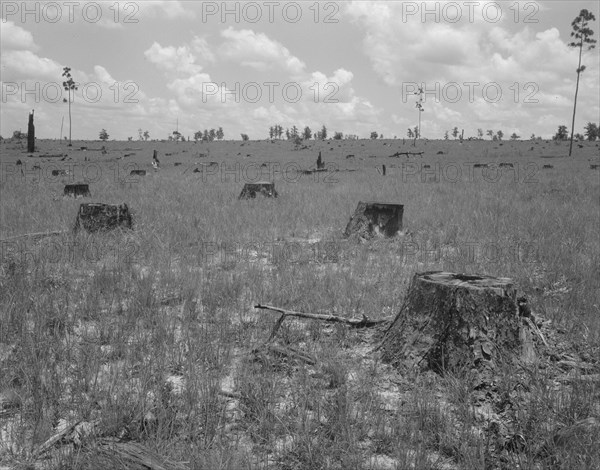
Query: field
x=150 y=337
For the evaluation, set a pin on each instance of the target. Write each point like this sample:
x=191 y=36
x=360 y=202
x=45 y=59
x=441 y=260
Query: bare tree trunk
x=30 y=134
x=70 y=143
x=575 y=102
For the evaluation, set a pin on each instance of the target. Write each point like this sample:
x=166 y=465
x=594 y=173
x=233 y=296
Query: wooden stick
x=276 y=327
x=363 y=322
x=38 y=234
x=287 y=352
x=534 y=327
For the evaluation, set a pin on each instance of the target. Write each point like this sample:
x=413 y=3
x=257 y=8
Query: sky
x=353 y=67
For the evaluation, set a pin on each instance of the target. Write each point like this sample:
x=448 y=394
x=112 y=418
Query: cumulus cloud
x=13 y=37
x=258 y=51
x=528 y=65
x=171 y=9
x=177 y=60
x=28 y=65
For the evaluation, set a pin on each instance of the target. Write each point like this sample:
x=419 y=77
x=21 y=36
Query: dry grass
x=143 y=331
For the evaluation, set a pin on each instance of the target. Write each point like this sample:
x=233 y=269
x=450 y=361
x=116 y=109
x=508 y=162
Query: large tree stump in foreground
x=95 y=217
x=375 y=218
x=454 y=321
x=265 y=188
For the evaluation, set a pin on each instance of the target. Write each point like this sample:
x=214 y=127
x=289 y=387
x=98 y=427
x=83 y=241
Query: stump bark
x=30 y=134
x=320 y=162
x=265 y=188
x=95 y=217
x=372 y=219
x=77 y=190
x=454 y=321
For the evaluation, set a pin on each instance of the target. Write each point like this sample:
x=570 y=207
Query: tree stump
x=266 y=188
x=95 y=217
x=320 y=162
x=137 y=173
x=77 y=190
x=454 y=321
x=375 y=219
x=30 y=134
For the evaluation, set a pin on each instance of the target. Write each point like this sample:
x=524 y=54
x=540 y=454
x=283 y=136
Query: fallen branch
x=536 y=330
x=363 y=322
x=39 y=235
x=286 y=352
x=397 y=154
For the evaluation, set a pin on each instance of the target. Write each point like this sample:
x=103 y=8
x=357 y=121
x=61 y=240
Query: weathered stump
x=320 y=162
x=30 y=134
x=137 y=173
x=95 y=217
x=77 y=190
x=375 y=218
x=264 y=188
x=454 y=321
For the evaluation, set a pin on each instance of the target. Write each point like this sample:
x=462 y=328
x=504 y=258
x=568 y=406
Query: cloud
x=177 y=60
x=526 y=62
x=201 y=47
x=171 y=9
x=258 y=51
x=13 y=37
x=27 y=65
x=334 y=89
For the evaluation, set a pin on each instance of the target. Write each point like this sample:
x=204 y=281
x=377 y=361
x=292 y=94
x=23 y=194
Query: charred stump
x=265 y=188
x=375 y=218
x=94 y=217
x=454 y=321
x=320 y=162
x=77 y=190
x=30 y=134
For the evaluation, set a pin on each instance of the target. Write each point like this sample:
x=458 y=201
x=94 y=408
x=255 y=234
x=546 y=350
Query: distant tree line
x=209 y=135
